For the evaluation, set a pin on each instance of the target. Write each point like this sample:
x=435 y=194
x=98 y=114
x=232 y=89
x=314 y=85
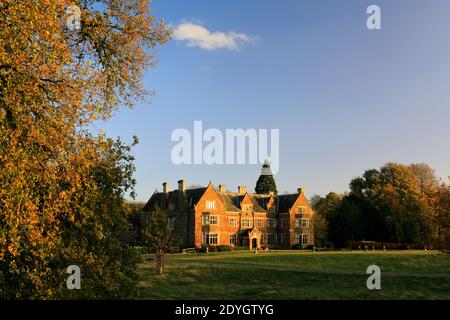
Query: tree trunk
x=160 y=263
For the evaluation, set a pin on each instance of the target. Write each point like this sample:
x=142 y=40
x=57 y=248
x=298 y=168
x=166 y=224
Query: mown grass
x=294 y=275
x=395 y=261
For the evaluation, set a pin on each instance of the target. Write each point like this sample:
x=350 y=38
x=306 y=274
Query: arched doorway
x=254 y=237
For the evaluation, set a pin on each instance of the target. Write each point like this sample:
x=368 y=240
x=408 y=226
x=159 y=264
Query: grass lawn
x=297 y=275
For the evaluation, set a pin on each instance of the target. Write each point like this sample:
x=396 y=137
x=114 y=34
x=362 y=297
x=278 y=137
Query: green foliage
x=441 y=217
x=134 y=213
x=108 y=266
x=225 y=248
x=160 y=238
x=323 y=208
x=345 y=223
x=62 y=184
x=392 y=200
x=396 y=204
x=266 y=182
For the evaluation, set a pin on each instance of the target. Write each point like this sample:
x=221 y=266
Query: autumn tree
x=323 y=209
x=392 y=205
x=442 y=216
x=426 y=177
x=55 y=193
x=134 y=212
x=160 y=237
x=344 y=222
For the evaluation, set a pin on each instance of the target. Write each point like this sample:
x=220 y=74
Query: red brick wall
x=200 y=208
x=294 y=214
x=224 y=230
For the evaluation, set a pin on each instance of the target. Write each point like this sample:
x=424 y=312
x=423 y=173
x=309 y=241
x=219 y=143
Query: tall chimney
x=182 y=185
x=165 y=187
x=242 y=189
x=221 y=188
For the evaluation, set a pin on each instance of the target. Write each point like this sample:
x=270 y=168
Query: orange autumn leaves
x=53 y=83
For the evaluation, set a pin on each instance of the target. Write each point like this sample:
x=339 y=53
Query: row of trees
x=397 y=204
x=63 y=183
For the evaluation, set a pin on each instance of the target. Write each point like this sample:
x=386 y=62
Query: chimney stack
x=242 y=189
x=301 y=190
x=221 y=188
x=182 y=185
x=165 y=187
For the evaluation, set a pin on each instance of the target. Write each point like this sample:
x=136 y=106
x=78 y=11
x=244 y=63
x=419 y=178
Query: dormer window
x=246 y=207
x=302 y=210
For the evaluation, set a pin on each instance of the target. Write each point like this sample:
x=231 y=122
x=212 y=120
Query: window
x=297 y=238
x=260 y=223
x=213 y=238
x=247 y=223
x=283 y=238
x=205 y=220
x=302 y=210
x=270 y=238
x=213 y=220
x=284 y=223
x=272 y=223
x=246 y=207
x=233 y=239
x=210 y=204
x=297 y=223
x=305 y=239
x=305 y=223
x=233 y=222
x=263 y=240
x=210 y=238
x=209 y=220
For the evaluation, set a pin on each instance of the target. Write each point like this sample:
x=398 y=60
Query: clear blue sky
x=344 y=98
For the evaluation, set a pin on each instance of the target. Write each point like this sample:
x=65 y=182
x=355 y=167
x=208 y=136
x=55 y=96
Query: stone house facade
x=209 y=217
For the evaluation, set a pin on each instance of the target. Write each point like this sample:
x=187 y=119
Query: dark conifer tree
x=266 y=182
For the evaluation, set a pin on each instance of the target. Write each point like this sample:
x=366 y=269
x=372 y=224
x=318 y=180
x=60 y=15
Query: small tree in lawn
x=160 y=236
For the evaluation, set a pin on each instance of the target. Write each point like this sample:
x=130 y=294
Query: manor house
x=208 y=216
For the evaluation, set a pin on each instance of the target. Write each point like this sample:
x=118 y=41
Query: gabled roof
x=231 y=200
x=286 y=201
x=158 y=198
x=193 y=195
x=155 y=200
x=234 y=199
x=258 y=203
x=228 y=201
x=261 y=200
